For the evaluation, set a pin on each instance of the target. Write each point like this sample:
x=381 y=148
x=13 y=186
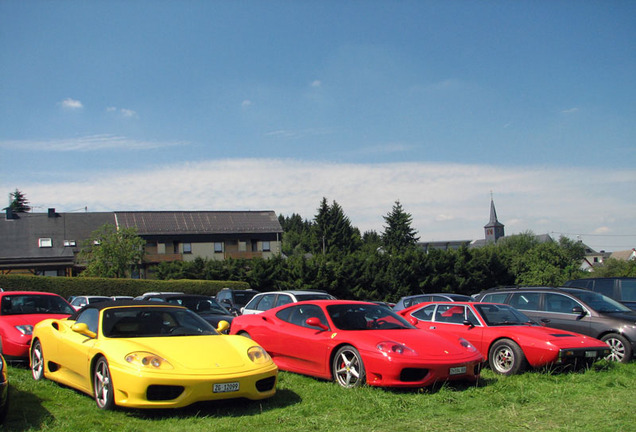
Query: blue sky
x=238 y=105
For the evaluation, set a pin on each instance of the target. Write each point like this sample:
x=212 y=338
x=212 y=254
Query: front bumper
x=174 y=390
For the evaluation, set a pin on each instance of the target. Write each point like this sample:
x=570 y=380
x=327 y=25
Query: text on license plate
x=590 y=353
x=226 y=387
x=458 y=370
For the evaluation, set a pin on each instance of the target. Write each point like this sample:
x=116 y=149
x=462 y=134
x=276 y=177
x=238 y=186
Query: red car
x=508 y=338
x=19 y=312
x=358 y=342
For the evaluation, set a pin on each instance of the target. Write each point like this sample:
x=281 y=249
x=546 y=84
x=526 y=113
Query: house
x=48 y=243
x=626 y=255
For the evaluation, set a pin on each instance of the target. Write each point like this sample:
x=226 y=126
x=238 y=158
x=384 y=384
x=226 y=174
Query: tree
x=19 y=204
x=398 y=235
x=111 y=253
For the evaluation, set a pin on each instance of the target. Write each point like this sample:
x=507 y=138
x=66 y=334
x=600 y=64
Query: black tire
x=621 y=348
x=347 y=367
x=37 y=361
x=506 y=358
x=244 y=334
x=103 y=385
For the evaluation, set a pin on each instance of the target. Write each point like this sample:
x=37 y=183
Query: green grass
x=598 y=399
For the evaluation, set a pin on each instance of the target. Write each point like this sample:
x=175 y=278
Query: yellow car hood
x=220 y=353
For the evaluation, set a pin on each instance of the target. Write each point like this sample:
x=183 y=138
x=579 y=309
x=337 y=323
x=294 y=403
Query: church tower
x=494 y=229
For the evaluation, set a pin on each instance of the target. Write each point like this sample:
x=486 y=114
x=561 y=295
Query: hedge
x=73 y=286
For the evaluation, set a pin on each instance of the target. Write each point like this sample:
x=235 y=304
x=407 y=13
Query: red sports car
x=19 y=312
x=507 y=337
x=358 y=342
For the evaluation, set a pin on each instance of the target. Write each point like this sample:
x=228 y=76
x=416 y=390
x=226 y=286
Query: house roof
x=199 y=222
x=19 y=237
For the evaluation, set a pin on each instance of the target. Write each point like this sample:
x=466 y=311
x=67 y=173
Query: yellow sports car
x=149 y=355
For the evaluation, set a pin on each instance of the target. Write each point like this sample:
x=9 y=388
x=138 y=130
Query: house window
x=242 y=246
x=218 y=247
x=266 y=247
x=45 y=242
x=187 y=248
x=70 y=243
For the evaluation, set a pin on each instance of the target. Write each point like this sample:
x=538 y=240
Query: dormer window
x=70 y=243
x=45 y=242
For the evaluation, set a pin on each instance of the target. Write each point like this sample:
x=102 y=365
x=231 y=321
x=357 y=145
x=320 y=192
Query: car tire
x=244 y=334
x=103 y=385
x=506 y=357
x=348 y=368
x=621 y=348
x=37 y=361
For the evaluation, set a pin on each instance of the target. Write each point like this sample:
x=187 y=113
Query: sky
x=274 y=105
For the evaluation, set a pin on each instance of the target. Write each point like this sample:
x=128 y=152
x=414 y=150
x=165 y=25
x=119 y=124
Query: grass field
x=598 y=399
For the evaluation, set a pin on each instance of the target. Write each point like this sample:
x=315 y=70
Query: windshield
x=599 y=302
x=305 y=297
x=23 y=304
x=366 y=317
x=497 y=315
x=131 y=322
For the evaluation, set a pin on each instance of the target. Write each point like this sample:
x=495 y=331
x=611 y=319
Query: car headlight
x=147 y=360
x=389 y=348
x=258 y=355
x=470 y=347
x=25 y=329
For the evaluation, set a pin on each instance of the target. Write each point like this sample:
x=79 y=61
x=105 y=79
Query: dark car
x=574 y=309
x=235 y=299
x=412 y=300
x=205 y=306
x=622 y=289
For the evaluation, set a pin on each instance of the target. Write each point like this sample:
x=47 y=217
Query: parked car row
x=165 y=349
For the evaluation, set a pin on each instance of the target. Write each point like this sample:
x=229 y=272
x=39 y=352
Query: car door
x=558 y=311
x=302 y=348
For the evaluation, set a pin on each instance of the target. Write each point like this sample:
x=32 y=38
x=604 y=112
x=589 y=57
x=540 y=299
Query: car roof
x=295 y=292
x=3 y=293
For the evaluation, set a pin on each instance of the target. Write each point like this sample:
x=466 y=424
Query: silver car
x=268 y=300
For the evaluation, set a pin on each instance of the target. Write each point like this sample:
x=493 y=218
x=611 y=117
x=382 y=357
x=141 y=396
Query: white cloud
x=124 y=112
x=316 y=83
x=569 y=110
x=446 y=201
x=246 y=103
x=71 y=104
x=87 y=143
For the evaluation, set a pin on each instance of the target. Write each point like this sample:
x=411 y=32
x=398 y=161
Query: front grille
x=413 y=374
x=266 y=384
x=163 y=392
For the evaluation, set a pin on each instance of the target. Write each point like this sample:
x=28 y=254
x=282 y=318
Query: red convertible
x=508 y=338
x=358 y=342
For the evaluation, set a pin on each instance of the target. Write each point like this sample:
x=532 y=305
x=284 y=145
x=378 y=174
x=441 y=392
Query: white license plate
x=226 y=387
x=458 y=370
x=590 y=353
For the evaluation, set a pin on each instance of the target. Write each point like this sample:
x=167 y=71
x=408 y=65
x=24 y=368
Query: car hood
x=29 y=319
x=195 y=353
x=424 y=342
x=561 y=338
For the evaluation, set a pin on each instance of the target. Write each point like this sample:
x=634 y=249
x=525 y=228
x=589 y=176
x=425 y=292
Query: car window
x=425 y=314
x=298 y=315
x=450 y=314
x=365 y=317
x=23 y=304
x=313 y=296
x=525 y=300
x=605 y=287
x=599 y=302
x=495 y=298
x=266 y=302
x=283 y=299
x=130 y=322
x=79 y=301
x=90 y=317
x=628 y=290
x=495 y=315
x=559 y=303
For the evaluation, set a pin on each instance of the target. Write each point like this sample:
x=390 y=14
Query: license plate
x=591 y=353
x=226 y=387
x=458 y=370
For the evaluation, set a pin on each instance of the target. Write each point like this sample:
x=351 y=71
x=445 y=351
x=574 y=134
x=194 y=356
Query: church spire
x=494 y=229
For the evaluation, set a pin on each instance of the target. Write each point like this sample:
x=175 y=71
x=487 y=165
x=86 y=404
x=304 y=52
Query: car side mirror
x=468 y=323
x=578 y=310
x=315 y=322
x=82 y=328
x=222 y=326
x=413 y=320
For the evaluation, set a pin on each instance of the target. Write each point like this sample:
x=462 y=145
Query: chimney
x=10 y=214
x=52 y=213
